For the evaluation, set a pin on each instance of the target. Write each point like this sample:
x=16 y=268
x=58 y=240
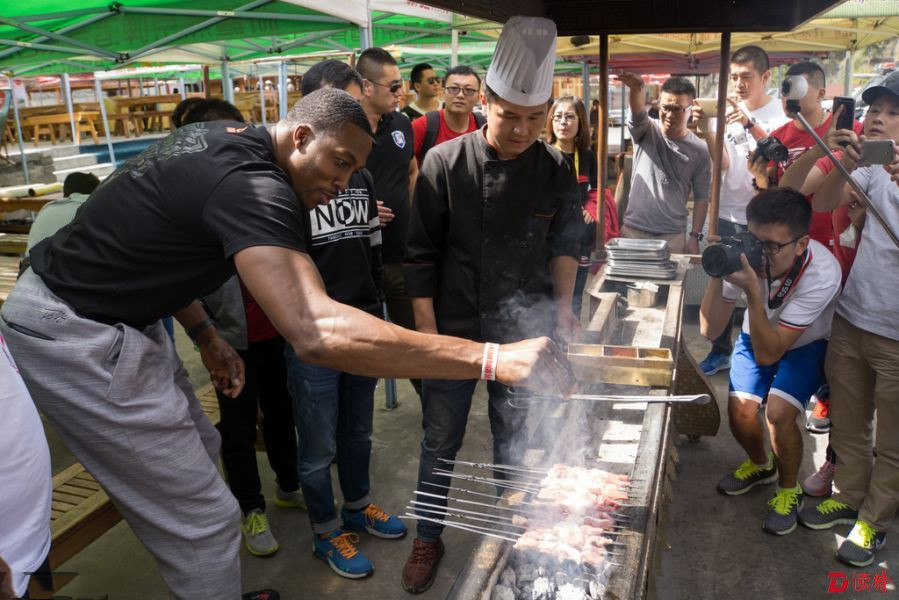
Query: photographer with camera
x=748 y=121
x=769 y=165
x=862 y=362
x=790 y=283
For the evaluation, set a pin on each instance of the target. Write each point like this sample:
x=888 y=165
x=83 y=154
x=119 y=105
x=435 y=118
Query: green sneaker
x=861 y=544
x=785 y=507
x=747 y=476
x=827 y=514
x=257 y=535
x=290 y=499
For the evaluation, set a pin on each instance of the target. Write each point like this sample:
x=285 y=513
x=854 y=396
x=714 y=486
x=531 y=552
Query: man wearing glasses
x=462 y=92
x=669 y=162
x=779 y=355
x=426 y=85
x=394 y=170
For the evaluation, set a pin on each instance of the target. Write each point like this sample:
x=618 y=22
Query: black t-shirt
x=388 y=164
x=161 y=231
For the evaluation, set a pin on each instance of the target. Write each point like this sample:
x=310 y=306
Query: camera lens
x=714 y=261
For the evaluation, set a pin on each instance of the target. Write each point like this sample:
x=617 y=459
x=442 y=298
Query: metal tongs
x=522 y=396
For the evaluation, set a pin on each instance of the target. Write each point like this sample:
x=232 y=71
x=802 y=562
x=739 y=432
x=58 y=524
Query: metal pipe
x=15 y=108
x=67 y=97
x=182 y=89
x=227 y=86
x=850 y=65
x=282 y=89
x=454 y=48
x=602 y=149
x=585 y=83
x=261 y=81
x=721 y=126
x=852 y=182
x=105 y=122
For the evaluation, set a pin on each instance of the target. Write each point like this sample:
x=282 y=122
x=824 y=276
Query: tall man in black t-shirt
x=394 y=168
x=170 y=226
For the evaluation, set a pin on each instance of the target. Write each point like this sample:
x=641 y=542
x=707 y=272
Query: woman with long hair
x=568 y=130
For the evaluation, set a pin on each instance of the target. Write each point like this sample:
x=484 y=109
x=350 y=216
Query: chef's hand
x=568 y=326
x=225 y=366
x=385 y=214
x=538 y=364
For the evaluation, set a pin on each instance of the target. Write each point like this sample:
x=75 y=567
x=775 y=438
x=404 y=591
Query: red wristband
x=488 y=363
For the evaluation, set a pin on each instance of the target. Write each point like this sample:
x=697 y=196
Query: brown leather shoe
x=421 y=566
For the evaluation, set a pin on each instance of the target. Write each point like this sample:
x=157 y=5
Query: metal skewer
x=687 y=399
x=501 y=483
x=463 y=526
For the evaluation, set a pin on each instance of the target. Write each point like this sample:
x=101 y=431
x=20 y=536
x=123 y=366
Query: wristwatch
x=749 y=124
x=698 y=235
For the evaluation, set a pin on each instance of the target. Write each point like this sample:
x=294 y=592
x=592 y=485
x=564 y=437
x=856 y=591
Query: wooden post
x=723 y=72
x=602 y=148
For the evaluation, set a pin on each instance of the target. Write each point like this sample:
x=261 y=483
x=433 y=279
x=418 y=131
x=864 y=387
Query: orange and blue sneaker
x=373 y=520
x=339 y=550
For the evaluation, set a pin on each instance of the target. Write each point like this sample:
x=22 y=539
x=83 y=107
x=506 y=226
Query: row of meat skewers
x=570 y=513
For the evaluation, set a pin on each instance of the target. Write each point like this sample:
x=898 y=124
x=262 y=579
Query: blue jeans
x=723 y=344
x=333 y=413
x=445 y=405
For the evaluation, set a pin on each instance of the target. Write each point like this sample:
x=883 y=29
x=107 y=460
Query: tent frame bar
x=58 y=37
x=72 y=27
x=240 y=13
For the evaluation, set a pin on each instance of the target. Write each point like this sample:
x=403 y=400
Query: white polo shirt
x=809 y=306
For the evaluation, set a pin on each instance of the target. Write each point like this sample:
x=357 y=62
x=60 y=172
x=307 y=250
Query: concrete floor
x=712 y=546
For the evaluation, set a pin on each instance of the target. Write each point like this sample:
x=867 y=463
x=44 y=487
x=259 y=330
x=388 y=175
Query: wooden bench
x=40 y=124
x=81 y=511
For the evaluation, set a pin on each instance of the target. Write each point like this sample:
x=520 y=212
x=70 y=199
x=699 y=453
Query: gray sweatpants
x=121 y=400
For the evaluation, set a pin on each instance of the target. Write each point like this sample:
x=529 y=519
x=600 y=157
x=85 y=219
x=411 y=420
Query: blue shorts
x=795 y=377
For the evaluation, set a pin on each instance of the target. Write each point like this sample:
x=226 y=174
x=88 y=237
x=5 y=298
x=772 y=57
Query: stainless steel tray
x=636 y=244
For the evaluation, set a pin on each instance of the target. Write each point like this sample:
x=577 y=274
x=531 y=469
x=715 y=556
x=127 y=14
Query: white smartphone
x=877 y=152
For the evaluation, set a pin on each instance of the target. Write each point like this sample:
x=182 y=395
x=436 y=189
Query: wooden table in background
x=32 y=203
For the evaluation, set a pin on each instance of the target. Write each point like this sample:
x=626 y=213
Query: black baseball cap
x=889 y=85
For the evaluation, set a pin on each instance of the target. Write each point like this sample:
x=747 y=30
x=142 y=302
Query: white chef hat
x=521 y=71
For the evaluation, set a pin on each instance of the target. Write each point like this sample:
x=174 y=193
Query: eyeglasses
x=433 y=80
x=393 y=86
x=772 y=248
x=559 y=117
x=674 y=108
x=454 y=91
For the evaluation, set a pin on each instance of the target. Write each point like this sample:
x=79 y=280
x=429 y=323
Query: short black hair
x=372 y=61
x=211 y=109
x=813 y=70
x=751 y=54
x=489 y=94
x=181 y=108
x=80 y=183
x=462 y=70
x=417 y=70
x=330 y=73
x=781 y=206
x=679 y=85
x=326 y=110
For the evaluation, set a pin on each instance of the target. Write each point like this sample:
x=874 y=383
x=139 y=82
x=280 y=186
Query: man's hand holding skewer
x=538 y=364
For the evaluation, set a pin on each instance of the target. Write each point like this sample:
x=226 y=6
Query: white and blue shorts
x=795 y=377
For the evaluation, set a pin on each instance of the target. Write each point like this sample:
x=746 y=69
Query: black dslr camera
x=722 y=259
x=772 y=149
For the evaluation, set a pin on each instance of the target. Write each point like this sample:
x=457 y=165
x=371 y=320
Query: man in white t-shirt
x=25 y=484
x=863 y=358
x=749 y=120
x=779 y=356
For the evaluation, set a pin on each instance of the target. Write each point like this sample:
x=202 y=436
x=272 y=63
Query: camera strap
x=790 y=280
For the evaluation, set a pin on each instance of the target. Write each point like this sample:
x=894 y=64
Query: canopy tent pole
x=366 y=39
x=227 y=86
x=140 y=87
x=261 y=82
x=282 y=89
x=850 y=65
x=602 y=149
x=585 y=82
x=182 y=89
x=15 y=109
x=155 y=85
x=454 y=48
x=621 y=140
x=206 y=91
x=67 y=96
x=100 y=100
x=721 y=126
